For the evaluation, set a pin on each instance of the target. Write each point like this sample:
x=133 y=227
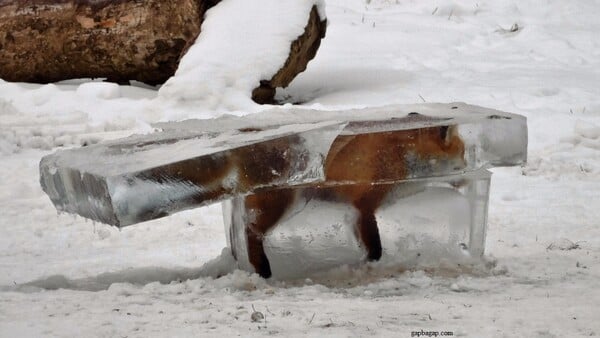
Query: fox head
x=437 y=148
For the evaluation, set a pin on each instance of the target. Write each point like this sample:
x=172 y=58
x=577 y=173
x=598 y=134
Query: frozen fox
x=353 y=164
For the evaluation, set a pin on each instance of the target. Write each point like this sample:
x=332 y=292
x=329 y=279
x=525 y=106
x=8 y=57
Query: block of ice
x=192 y=163
x=320 y=230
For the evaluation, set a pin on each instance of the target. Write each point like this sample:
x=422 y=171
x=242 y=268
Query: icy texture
x=442 y=215
x=196 y=162
x=149 y=176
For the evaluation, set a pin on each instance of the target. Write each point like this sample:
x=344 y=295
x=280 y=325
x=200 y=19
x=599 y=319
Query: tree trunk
x=52 y=40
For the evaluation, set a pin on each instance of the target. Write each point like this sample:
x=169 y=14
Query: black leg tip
x=265 y=272
x=264 y=268
x=374 y=254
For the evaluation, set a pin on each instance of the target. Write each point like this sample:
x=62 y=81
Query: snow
x=98 y=90
x=375 y=53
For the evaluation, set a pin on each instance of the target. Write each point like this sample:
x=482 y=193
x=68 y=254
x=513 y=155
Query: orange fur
x=358 y=160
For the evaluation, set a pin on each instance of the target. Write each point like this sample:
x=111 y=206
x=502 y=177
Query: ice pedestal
x=445 y=216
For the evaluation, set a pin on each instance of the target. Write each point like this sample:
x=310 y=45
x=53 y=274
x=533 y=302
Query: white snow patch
x=99 y=90
x=587 y=130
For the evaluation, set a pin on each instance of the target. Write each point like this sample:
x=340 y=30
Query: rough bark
x=45 y=41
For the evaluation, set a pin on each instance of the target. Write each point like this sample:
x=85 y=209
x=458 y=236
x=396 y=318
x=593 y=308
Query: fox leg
x=268 y=207
x=369 y=199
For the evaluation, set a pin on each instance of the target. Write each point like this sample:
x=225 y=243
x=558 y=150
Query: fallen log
x=43 y=41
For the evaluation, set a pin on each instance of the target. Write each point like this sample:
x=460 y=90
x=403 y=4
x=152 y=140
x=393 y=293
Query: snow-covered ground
x=63 y=276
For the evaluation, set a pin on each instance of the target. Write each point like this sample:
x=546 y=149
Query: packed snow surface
x=63 y=276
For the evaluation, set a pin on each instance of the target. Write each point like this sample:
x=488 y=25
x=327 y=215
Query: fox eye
x=444 y=133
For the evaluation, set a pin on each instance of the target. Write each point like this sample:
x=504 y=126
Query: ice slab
x=193 y=163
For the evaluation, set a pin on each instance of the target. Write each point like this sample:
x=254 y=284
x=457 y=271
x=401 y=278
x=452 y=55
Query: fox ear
x=445 y=134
